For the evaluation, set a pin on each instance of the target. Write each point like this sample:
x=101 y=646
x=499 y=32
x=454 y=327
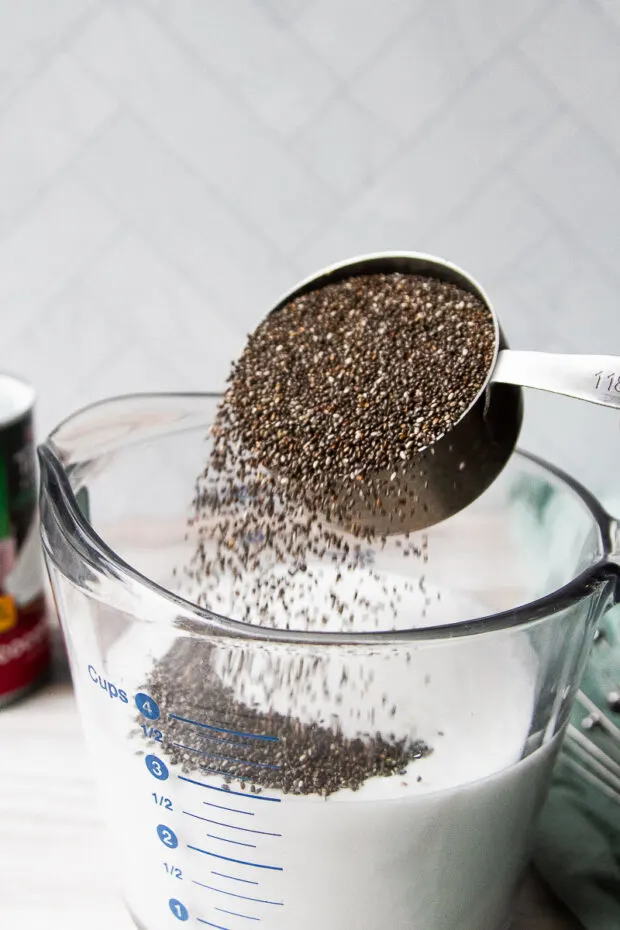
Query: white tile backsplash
x=31 y=31
x=577 y=303
x=578 y=51
x=185 y=219
x=483 y=27
x=347 y=145
x=468 y=143
x=46 y=250
x=495 y=224
x=577 y=179
x=78 y=334
x=168 y=169
x=425 y=66
x=160 y=311
x=609 y=8
x=222 y=140
x=435 y=172
x=253 y=71
x=349 y=34
x=43 y=128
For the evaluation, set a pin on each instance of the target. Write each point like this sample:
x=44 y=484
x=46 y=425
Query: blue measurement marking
x=178 y=909
x=208 y=726
x=254 y=865
x=246 y=881
x=213 y=836
x=234 y=810
x=239 y=794
x=235 y=914
x=230 y=826
x=243 y=897
x=209 y=924
x=213 y=755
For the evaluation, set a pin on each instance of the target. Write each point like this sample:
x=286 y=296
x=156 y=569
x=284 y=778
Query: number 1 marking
x=178 y=909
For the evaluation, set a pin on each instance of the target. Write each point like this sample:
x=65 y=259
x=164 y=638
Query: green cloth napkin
x=578 y=847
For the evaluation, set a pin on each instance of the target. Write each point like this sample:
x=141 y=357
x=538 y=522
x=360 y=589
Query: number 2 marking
x=167 y=836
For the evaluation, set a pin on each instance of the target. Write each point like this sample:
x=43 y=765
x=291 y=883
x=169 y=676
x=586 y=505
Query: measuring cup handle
x=595 y=378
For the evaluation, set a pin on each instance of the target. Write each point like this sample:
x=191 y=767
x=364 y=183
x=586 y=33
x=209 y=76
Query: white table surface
x=56 y=864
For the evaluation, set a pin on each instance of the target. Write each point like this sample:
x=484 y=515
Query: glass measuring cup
x=485 y=680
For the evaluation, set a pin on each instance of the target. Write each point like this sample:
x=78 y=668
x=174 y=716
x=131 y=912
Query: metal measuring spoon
x=456 y=469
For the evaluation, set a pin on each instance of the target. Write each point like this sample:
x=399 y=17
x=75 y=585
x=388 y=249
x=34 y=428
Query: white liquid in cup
x=445 y=860
x=442 y=853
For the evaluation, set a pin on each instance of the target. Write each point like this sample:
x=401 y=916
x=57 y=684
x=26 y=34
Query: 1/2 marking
x=173 y=871
x=152 y=733
x=162 y=801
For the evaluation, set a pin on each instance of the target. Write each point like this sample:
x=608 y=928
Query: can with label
x=25 y=652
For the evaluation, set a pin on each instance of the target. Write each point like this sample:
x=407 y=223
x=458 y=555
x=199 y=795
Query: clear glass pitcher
x=210 y=824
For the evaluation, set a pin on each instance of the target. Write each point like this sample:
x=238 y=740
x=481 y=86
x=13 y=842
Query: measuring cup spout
x=595 y=378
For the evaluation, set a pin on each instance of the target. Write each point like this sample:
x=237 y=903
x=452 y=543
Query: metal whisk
x=585 y=757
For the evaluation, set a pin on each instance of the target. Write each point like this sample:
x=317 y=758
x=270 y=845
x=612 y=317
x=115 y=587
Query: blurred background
x=169 y=167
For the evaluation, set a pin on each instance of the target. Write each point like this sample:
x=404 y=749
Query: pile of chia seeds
x=342 y=384
x=296 y=758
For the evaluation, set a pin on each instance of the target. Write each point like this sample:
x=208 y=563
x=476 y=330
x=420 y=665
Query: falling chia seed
x=341 y=384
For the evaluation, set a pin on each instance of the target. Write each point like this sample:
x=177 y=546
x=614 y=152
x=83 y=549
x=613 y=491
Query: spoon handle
x=595 y=378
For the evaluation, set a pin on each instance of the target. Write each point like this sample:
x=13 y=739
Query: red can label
x=24 y=637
